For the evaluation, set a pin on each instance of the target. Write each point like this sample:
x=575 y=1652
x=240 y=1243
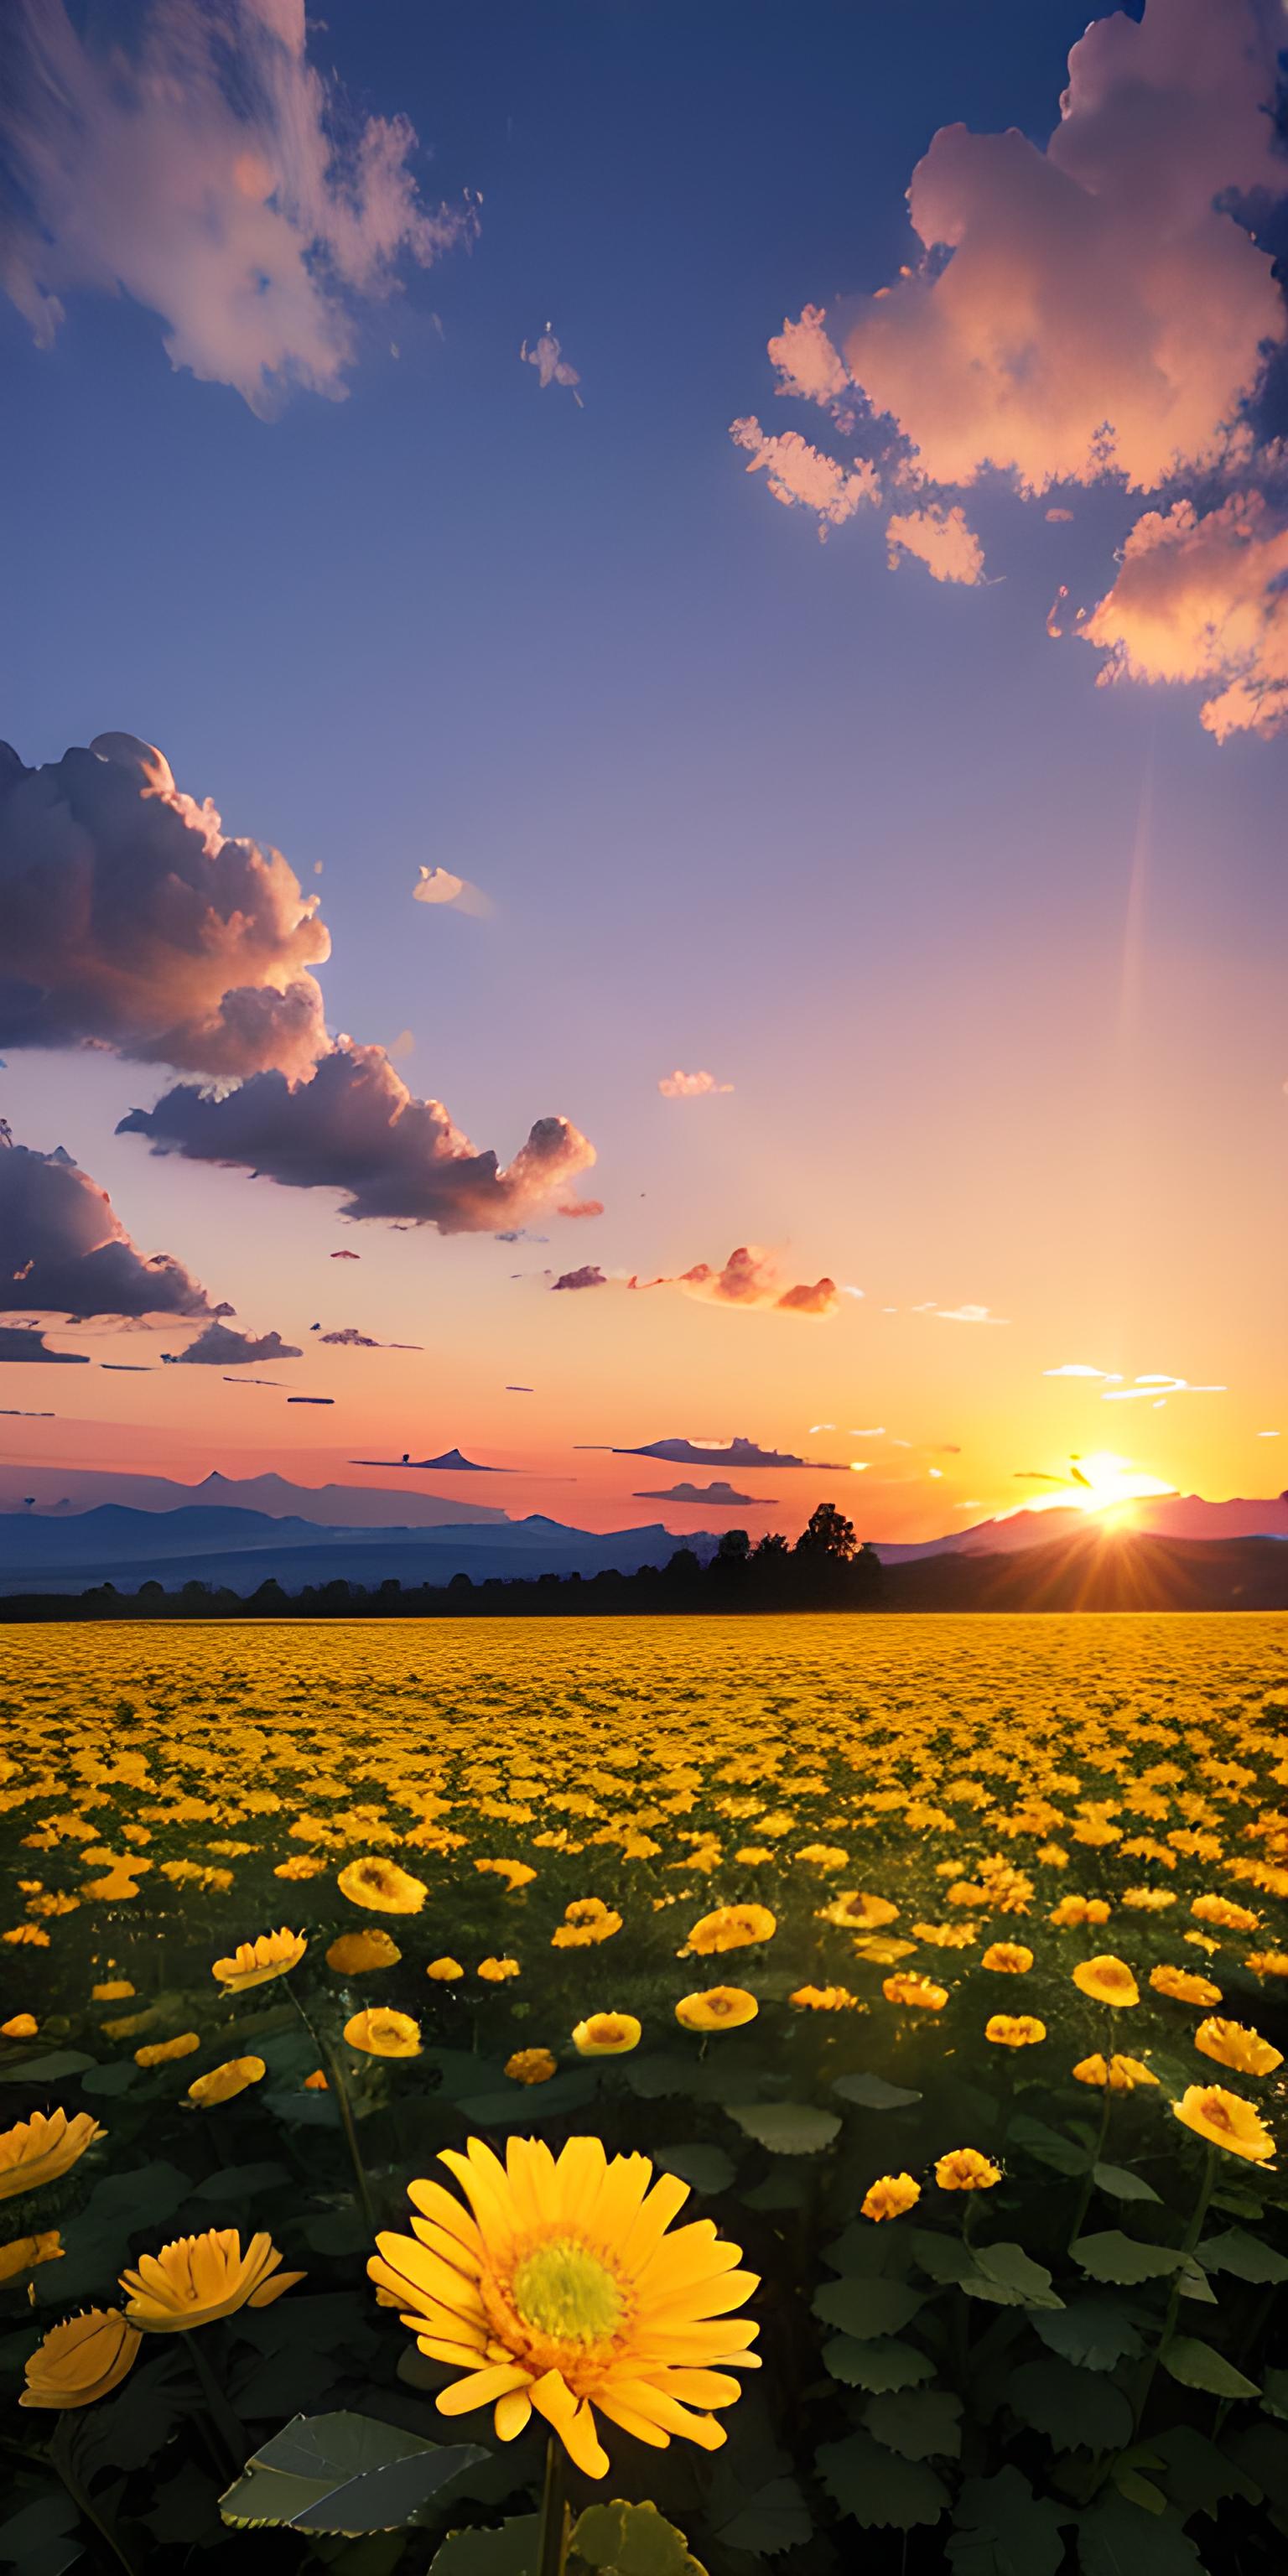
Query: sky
x=768 y=678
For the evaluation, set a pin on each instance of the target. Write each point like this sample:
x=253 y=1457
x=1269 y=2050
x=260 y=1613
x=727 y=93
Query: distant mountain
x=1162 y=1516
x=71 y=1489
x=452 y=1463
x=1094 y=1569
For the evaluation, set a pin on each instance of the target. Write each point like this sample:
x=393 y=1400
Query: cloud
x=805 y=360
x=804 y=1299
x=969 y=1315
x=216 y=178
x=353 y=1126
x=221 y=1346
x=403 y=1045
x=1058 y=517
x=941 y=540
x=1095 y=308
x=346 y=1256
x=719 y=1495
x=129 y=920
x=679 y=1451
x=1204 y=598
x=589 y=1276
x=748 y=1278
x=689 y=1086
x=23 y=1342
x=1079 y=1368
x=797 y=472
x=551 y=365
x=66 y=1251
x=580 y=1208
x=438 y=885
x=350 y=1339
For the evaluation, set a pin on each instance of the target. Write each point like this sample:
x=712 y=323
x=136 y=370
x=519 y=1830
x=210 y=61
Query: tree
x=772 y=1548
x=734 y=1547
x=827 y=1533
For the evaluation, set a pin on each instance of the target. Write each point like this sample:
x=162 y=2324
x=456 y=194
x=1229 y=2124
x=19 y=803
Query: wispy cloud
x=438 y=885
x=689 y=1086
x=551 y=365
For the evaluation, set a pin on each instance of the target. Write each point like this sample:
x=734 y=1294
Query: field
x=799 y=1909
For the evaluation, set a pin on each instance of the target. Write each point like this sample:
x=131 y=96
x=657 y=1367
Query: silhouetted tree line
x=826 y=1570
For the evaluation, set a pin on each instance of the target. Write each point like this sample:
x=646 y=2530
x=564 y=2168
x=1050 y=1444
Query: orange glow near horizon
x=1101 y=1482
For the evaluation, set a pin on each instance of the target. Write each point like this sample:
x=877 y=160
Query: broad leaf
x=768 y=2520
x=239 y=2182
x=1003 y=2529
x=941 y=2258
x=509 y=2551
x=875 y=2489
x=632 y=2540
x=1199 y=2476
x=1121 y=2539
x=521 y=2104
x=56 y=2064
x=1121 y=2184
x=1047 y=2146
x=1196 y=2365
x=707 y=2168
x=1008 y=2267
x=918 y=2423
x=877 y=2366
x=872 y=2093
x=867 y=2307
x=1091 y=2332
x=1249 y=2258
x=1076 y=2409
x=1115 y=2257
x=787 y=2128
x=345 y=2474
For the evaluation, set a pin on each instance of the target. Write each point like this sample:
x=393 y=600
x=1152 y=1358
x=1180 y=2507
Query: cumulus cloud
x=941 y=539
x=968 y=1315
x=348 y=1338
x=218 y=179
x=551 y=365
x=128 y=919
x=66 y=1251
x=799 y=473
x=805 y=360
x=221 y=1346
x=689 y=1086
x=23 y=1342
x=749 y=1278
x=1204 y=597
x=354 y=1126
x=438 y=885
x=1096 y=307
x=589 y=1276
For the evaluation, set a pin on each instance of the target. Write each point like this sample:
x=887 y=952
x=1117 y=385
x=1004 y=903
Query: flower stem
x=555 y=2518
x=1084 y=2201
x=335 y=2079
x=60 y=2460
x=1192 y=2235
x=231 y=2433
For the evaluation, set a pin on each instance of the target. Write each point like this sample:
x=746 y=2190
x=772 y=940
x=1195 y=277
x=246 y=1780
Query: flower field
x=645 y=2096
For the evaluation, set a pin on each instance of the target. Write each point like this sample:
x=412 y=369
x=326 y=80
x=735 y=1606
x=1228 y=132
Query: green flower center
x=564 y=2291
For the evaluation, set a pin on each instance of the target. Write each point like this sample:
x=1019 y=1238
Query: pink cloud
x=581 y=1208
x=66 y=1251
x=806 y=361
x=1204 y=597
x=941 y=539
x=212 y=175
x=799 y=473
x=551 y=365
x=749 y=1278
x=689 y=1086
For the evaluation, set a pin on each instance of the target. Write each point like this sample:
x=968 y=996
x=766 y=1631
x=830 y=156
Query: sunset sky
x=369 y=395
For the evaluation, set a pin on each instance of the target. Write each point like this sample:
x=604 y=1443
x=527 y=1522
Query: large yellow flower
x=382 y=1886
x=920 y=1994
x=224 y=2083
x=356 y=1954
x=890 y=2196
x=1007 y=1959
x=607 y=2034
x=1182 y=1988
x=1244 y=2051
x=253 y=1963
x=1120 y=2074
x=586 y=1921
x=731 y=1927
x=855 y=1911
x=39 y=2149
x=965 y=2169
x=1107 y=1980
x=720 y=2008
x=380 y=2033
x=84 y=2358
x=1226 y=2120
x=199 y=2278
x=23 y=2253
x=1014 y=2030
x=561 y=2289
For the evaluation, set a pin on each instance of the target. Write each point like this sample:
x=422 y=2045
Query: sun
x=1098 y=1481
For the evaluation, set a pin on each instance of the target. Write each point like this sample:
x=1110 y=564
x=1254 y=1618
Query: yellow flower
x=881 y=1950
x=531 y=2066
x=1148 y=1900
x=1014 y=2030
x=825 y=1999
x=161 y=2051
x=356 y=1954
x=299 y=1866
x=199 y=2278
x=516 y=1873
x=39 y=2149
x=1121 y=2074
x=857 y=1912
x=1073 y=1910
x=114 y=1992
x=1182 y=1988
x=224 y=2082
x=607 y=2034
x=965 y=2169
x=560 y=2289
x=918 y=1992
x=84 y=2358
x=891 y=2196
x=29 y=1935
x=731 y=1927
x=23 y=2253
x=1219 y=1910
x=1107 y=1981
x=586 y=1920
x=1244 y=2051
x=1225 y=2120
x=20 y=2026
x=495 y=1971
x=382 y=1886
x=272 y=1954
x=1007 y=1959
x=381 y=2033
x=1267 y=1963
x=444 y=1971
x=720 y=2008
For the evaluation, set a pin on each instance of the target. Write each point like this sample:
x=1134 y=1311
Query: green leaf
x=1199 y=2476
x=872 y=2248
x=1008 y=2268
x=42 y=2540
x=343 y=2473
x=865 y=2307
x=1262 y=2453
x=1121 y=2184
x=521 y=2104
x=877 y=2366
x=239 y=2182
x=1115 y=2257
x=1091 y=2332
x=105 y=2082
x=1274 y=2394
x=877 y=2490
x=632 y=2540
x=872 y=2093
x=766 y=2521
x=783 y=2188
x=1076 y=2409
x=1196 y=2365
x=918 y=2423
x=707 y=2168
x=1047 y=2146
x=941 y=2258
x=1194 y=2284
x=1120 y=2539
x=1002 y=2529
x=787 y=2128
x=49 y=2069
x=303 y=2110
x=509 y=2551
x=1139 y=2490
x=1247 y=2257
